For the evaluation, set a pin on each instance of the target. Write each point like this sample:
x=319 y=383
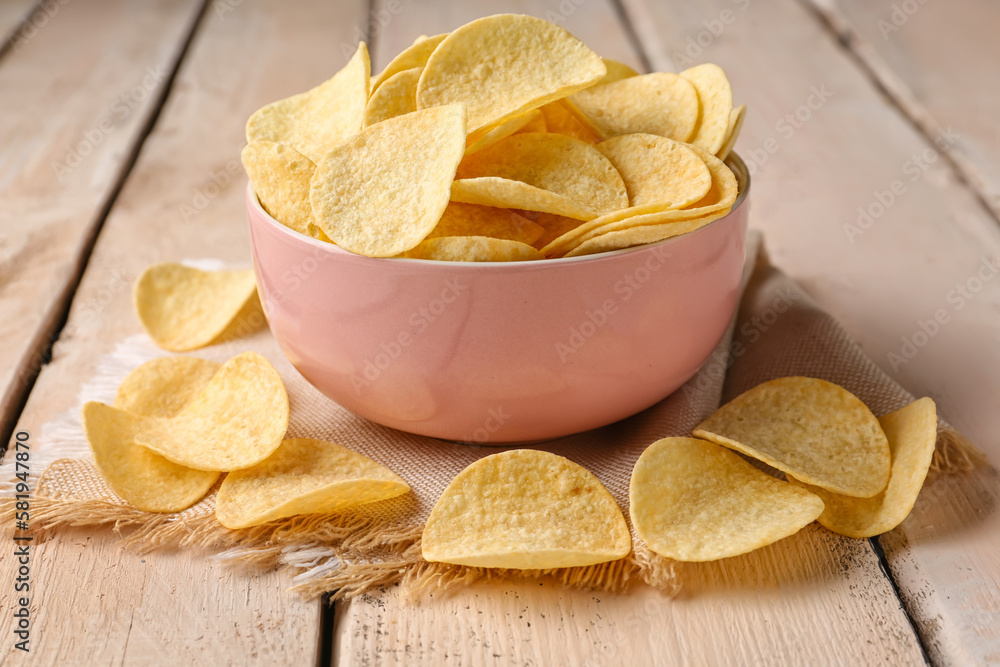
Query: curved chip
x=473 y=249
x=616 y=71
x=657 y=170
x=183 y=308
x=733 y=133
x=561 y=118
x=691 y=500
x=525 y=509
x=725 y=188
x=395 y=97
x=303 y=476
x=536 y=123
x=912 y=433
x=660 y=103
x=280 y=176
x=383 y=191
x=716 y=97
x=474 y=220
x=505 y=193
x=504 y=65
x=145 y=480
x=236 y=421
x=315 y=121
x=556 y=163
x=606 y=241
x=162 y=387
x=489 y=136
x=415 y=55
x=810 y=429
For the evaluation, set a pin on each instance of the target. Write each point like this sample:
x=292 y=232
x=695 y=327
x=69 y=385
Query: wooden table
x=873 y=136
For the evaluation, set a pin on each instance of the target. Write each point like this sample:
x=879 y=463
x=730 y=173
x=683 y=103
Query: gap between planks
x=899 y=95
x=39 y=353
x=8 y=39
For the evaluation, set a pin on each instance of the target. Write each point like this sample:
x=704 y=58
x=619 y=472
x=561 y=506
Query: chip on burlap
x=380 y=543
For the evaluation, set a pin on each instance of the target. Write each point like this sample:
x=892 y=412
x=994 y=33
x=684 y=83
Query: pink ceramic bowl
x=500 y=352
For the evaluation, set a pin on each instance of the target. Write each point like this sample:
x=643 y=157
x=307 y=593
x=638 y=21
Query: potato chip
x=161 y=387
x=560 y=118
x=415 y=55
x=616 y=71
x=396 y=96
x=733 y=133
x=315 y=121
x=660 y=103
x=147 y=481
x=142 y=478
x=810 y=429
x=641 y=234
x=280 y=176
x=657 y=170
x=504 y=65
x=716 y=97
x=505 y=193
x=473 y=249
x=912 y=433
x=183 y=308
x=382 y=192
x=489 y=136
x=473 y=220
x=725 y=188
x=559 y=164
x=303 y=476
x=536 y=123
x=555 y=226
x=691 y=500
x=525 y=509
x=236 y=421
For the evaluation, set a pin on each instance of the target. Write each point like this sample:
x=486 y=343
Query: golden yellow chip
x=382 y=192
x=660 y=103
x=236 y=421
x=147 y=481
x=716 y=97
x=525 y=509
x=733 y=133
x=725 y=188
x=630 y=236
x=555 y=226
x=161 y=387
x=505 y=193
x=553 y=162
x=810 y=429
x=489 y=136
x=280 y=176
x=396 y=96
x=560 y=118
x=657 y=170
x=415 y=55
x=691 y=500
x=304 y=476
x=315 y=121
x=616 y=71
x=473 y=249
x=473 y=220
x=183 y=308
x=912 y=433
x=536 y=123
x=504 y=65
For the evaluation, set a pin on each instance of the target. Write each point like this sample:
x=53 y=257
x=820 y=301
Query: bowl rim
x=738 y=166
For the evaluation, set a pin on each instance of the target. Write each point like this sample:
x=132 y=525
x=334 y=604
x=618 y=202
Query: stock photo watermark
x=787 y=126
x=956 y=299
x=40 y=18
x=218 y=181
x=898 y=17
x=699 y=42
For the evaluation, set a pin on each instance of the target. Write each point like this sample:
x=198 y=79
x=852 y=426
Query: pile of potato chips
x=506 y=139
x=691 y=499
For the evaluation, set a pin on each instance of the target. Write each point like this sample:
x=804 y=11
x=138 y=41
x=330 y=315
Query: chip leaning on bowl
x=512 y=117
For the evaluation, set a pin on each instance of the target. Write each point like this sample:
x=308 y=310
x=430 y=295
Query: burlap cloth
x=779 y=331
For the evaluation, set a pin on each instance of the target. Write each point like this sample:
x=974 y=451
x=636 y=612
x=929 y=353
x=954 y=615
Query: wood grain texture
x=75 y=94
x=12 y=14
x=935 y=59
x=811 y=599
x=183 y=200
x=927 y=243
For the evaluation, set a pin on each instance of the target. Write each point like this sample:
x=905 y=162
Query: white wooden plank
x=94 y=602
x=813 y=599
x=887 y=283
